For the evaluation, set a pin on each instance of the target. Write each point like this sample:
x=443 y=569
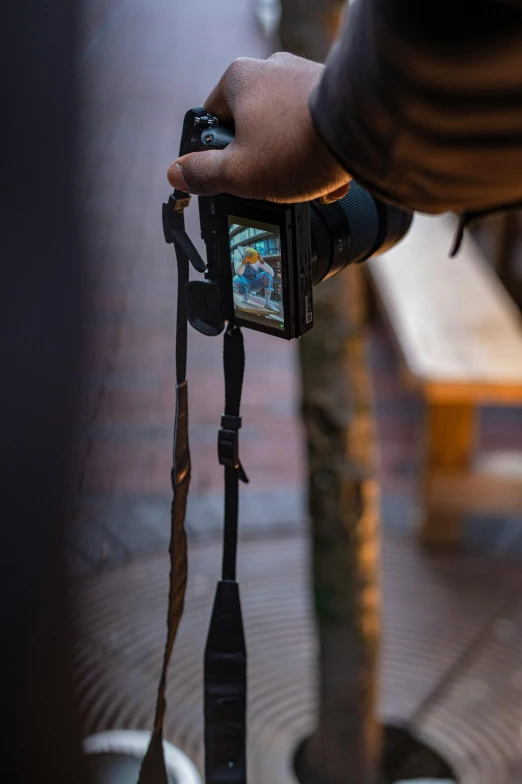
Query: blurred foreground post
x=41 y=315
x=343 y=497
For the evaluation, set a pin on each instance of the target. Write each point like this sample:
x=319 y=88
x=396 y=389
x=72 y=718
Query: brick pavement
x=134 y=97
x=143 y=65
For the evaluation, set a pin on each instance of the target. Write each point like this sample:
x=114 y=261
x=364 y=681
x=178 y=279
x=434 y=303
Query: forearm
x=424 y=107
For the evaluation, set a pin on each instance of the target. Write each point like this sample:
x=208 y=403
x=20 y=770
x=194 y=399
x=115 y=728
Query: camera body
x=259 y=267
x=264 y=258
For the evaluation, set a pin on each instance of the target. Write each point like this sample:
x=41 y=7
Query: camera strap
x=225 y=653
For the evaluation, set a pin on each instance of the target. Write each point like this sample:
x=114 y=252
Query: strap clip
x=172 y=214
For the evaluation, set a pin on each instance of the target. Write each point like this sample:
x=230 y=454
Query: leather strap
x=153 y=769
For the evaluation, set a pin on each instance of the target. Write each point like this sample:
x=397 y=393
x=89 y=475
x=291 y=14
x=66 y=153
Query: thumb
x=201 y=173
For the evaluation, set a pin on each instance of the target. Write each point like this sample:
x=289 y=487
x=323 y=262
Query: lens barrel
x=353 y=229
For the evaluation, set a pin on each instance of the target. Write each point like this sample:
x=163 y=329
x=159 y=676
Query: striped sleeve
x=423 y=106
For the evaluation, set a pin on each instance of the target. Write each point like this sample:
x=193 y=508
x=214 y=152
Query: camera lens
x=353 y=229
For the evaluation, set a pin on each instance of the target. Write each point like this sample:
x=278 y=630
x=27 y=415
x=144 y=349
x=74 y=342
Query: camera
x=263 y=259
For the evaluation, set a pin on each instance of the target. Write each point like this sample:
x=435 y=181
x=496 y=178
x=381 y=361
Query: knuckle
x=226 y=172
x=237 y=66
x=283 y=57
x=233 y=80
x=240 y=69
x=194 y=171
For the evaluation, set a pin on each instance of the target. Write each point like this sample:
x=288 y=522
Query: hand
x=276 y=154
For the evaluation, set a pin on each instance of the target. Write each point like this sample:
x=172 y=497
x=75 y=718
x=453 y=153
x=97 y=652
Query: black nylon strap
x=185 y=244
x=228 y=569
x=234 y=369
x=225 y=652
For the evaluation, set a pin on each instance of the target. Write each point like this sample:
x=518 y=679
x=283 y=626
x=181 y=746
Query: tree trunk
x=342 y=491
x=343 y=504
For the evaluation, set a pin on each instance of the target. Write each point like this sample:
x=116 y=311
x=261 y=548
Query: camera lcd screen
x=257 y=275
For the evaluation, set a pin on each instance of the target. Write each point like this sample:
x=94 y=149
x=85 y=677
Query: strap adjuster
x=228 y=448
x=228 y=444
x=230 y=422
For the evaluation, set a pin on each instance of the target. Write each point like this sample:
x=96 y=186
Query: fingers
x=335 y=195
x=218 y=105
x=203 y=173
x=222 y=99
x=276 y=154
x=212 y=172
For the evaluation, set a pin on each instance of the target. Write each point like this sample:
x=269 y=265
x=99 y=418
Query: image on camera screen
x=255 y=253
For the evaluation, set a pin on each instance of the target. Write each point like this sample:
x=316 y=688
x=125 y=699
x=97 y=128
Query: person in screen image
x=254 y=274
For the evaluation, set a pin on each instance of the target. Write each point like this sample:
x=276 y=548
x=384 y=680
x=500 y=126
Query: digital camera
x=264 y=258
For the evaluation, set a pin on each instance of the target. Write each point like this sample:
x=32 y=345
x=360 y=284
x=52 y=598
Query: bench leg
x=450 y=442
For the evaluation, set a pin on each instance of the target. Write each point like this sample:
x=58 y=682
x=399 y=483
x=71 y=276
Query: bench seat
x=459 y=336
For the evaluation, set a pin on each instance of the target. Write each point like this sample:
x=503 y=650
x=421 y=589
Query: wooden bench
x=460 y=339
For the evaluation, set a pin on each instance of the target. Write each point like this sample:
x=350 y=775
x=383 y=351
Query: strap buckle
x=228 y=445
x=228 y=441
